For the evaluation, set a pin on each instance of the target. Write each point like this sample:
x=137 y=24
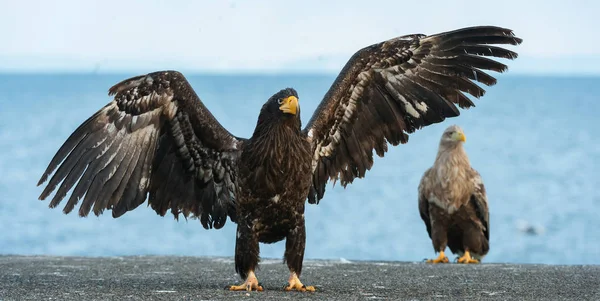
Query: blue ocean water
x=533 y=139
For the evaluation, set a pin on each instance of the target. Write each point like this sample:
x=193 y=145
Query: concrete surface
x=192 y=278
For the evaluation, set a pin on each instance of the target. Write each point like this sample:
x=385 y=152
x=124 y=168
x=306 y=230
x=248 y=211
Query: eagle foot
x=250 y=284
x=295 y=284
x=466 y=258
x=440 y=259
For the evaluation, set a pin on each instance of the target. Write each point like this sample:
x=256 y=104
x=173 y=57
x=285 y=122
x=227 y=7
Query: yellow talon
x=466 y=258
x=250 y=284
x=440 y=259
x=295 y=284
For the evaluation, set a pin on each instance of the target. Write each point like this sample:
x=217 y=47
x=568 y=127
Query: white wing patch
x=310 y=133
x=276 y=199
x=421 y=106
x=234 y=143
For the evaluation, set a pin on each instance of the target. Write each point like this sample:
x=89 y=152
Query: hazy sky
x=262 y=35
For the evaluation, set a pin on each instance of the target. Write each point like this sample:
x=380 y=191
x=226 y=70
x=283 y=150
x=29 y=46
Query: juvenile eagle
x=157 y=140
x=453 y=203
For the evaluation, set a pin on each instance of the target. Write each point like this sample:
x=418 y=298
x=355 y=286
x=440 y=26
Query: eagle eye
x=280 y=101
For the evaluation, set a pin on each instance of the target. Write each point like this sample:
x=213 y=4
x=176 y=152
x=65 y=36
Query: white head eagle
x=453 y=202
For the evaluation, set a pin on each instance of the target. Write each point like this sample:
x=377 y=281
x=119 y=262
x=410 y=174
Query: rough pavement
x=194 y=278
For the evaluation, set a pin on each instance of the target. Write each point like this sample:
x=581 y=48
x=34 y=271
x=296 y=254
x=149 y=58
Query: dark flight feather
x=424 y=212
x=479 y=202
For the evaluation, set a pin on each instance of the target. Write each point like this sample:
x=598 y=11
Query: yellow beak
x=458 y=136
x=289 y=105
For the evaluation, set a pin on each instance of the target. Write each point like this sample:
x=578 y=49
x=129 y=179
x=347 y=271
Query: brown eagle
x=156 y=140
x=453 y=203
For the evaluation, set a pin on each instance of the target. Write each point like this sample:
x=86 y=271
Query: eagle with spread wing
x=156 y=140
x=453 y=202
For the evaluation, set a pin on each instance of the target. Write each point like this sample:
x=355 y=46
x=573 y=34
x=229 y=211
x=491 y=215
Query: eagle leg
x=295 y=284
x=466 y=258
x=246 y=258
x=250 y=284
x=440 y=259
x=294 y=255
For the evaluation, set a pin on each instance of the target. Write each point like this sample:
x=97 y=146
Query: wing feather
x=111 y=162
x=74 y=139
x=424 y=185
x=157 y=140
x=120 y=198
x=479 y=201
x=394 y=88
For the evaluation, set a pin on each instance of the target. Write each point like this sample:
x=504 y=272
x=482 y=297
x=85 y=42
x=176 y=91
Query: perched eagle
x=453 y=203
x=157 y=140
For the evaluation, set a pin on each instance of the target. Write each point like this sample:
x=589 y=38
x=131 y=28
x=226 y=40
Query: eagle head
x=283 y=105
x=453 y=135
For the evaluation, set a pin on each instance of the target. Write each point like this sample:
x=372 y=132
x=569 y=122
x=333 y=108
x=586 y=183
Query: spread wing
x=393 y=88
x=480 y=203
x=157 y=138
